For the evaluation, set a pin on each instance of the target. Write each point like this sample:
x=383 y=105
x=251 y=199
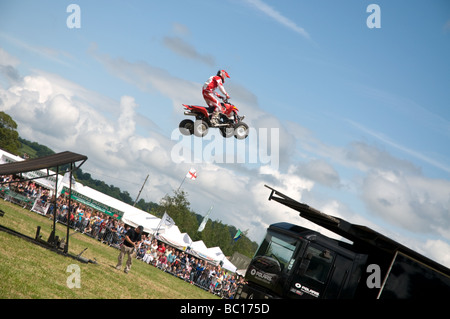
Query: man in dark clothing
x=129 y=246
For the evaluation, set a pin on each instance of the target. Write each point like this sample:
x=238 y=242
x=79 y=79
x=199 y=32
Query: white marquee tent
x=217 y=254
x=174 y=237
x=199 y=249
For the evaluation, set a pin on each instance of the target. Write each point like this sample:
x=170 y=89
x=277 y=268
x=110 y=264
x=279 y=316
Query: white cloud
x=7 y=59
x=151 y=79
x=126 y=122
x=50 y=54
x=320 y=171
x=412 y=202
x=437 y=250
x=278 y=17
x=405 y=149
x=182 y=48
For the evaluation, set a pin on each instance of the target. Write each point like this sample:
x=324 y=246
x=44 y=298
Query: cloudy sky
x=348 y=105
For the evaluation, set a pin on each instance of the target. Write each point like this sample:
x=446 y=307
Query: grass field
x=29 y=271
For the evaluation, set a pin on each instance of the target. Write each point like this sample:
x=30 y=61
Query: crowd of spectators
x=86 y=220
x=111 y=231
x=196 y=271
x=82 y=218
x=28 y=191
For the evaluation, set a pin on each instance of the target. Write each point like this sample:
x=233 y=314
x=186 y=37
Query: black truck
x=296 y=262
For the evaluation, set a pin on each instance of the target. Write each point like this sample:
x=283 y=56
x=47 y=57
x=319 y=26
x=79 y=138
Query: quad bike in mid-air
x=229 y=123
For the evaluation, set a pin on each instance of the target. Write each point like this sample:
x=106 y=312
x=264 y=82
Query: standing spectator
x=162 y=248
x=198 y=270
x=171 y=257
x=213 y=282
x=204 y=277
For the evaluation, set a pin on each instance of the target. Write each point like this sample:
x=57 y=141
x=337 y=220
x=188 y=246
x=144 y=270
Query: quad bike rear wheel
x=186 y=127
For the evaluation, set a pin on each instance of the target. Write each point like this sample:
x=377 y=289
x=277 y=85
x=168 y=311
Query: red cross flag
x=192 y=174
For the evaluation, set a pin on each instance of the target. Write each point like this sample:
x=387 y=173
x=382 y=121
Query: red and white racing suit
x=209 y=87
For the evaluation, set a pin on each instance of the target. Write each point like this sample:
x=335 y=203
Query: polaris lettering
x=307 y=290
x=261 y=275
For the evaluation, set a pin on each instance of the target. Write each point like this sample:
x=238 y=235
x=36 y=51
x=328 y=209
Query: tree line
x=177 y=205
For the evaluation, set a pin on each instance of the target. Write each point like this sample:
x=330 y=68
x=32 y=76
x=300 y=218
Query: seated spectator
x=154 y=250
x=141 y=252
x=162 y=262
x=225 y=287
x=148 y=257
x=178 y=272
x=232 y=291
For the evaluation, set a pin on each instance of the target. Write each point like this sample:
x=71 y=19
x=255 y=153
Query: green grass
x=29 y=271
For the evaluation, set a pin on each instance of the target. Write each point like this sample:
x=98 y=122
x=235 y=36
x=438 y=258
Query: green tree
x=244 y=245
x=178 y=208
x=9 y=138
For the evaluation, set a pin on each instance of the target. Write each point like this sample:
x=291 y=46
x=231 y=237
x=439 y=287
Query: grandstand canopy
x=45 y=162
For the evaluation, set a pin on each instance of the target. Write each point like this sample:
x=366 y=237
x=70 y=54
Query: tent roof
x=199 y=245
x=217 y=254
x=41 y=163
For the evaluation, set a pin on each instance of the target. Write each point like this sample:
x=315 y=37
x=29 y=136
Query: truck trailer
x=294 y=262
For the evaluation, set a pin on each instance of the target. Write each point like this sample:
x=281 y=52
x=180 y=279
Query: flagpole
x=159 y=225
x=181 y=183
x=140 y=190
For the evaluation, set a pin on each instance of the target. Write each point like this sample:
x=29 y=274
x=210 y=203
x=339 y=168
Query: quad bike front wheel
x=200 y=128
x=186 y=127
x=241 y=130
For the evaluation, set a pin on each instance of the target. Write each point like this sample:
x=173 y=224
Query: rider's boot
x=215 y=118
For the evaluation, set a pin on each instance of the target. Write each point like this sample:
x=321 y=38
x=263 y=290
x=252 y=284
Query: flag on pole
x=204 y=221
x=66 y=180
x=166 y=220
x=192 y=174
x=238 y=235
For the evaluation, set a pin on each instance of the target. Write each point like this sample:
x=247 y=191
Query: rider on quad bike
x=209 y=87
x=220 y=115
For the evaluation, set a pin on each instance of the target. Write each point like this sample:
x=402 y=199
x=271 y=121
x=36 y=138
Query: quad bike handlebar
x=223 y=98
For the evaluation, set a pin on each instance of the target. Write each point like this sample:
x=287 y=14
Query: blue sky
x=363 y=114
